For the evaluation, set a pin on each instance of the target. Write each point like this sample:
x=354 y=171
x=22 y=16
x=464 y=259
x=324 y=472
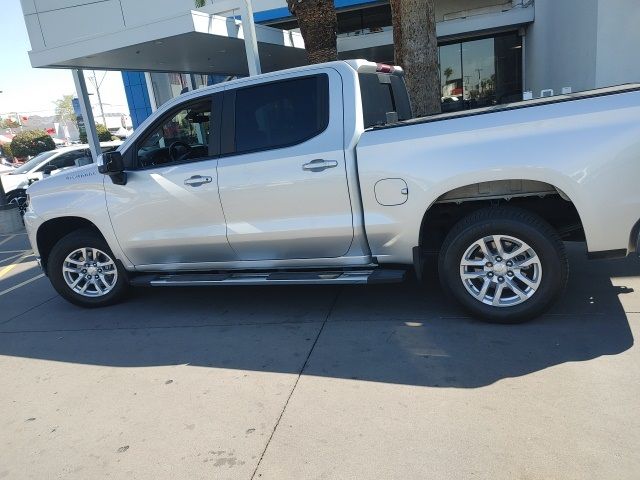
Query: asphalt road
x=380 y=382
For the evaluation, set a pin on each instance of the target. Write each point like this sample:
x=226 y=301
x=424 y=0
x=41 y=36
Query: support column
x=150 y=92
x=87 y=113
x=250 y=40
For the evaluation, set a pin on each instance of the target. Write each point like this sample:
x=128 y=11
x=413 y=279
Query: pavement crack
x=156 y=327
x=26 y=311
x=304 y=366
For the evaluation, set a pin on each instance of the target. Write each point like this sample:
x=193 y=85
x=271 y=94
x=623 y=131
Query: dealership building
x=491 y=51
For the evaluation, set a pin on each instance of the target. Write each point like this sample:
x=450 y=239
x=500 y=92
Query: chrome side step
x=351 y=277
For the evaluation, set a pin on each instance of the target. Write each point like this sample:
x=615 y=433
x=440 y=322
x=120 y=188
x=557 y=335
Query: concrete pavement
x=379 y=382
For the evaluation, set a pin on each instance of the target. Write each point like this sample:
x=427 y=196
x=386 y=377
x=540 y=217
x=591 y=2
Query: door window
x=280 y=114
x=66 y=160
x=184 y=136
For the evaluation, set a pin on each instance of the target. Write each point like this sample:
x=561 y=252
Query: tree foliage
x=31 y=143
x=64 y=109
x=8 y=123
x=6 y=150
x=104 y=135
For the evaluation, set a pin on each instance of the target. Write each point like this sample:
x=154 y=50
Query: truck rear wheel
x=504 y=264
x=83 y=270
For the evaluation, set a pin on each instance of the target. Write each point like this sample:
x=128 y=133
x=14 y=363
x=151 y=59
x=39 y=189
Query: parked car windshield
x=34 y=162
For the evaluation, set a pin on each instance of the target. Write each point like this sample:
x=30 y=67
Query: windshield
x=34 y=162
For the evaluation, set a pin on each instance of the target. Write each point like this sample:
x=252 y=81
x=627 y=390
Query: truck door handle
x=319 y=165
x=197 y=181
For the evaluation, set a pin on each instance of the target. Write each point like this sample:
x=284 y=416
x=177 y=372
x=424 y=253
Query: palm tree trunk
x=319 y=26
x=416 y=51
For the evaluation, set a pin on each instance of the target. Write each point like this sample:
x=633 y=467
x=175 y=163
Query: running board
x=270 y=278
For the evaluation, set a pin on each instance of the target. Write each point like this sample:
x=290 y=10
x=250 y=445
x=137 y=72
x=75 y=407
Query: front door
x=282 y=173
x=169 y=213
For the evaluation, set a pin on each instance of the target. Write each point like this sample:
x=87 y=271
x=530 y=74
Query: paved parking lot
x=381 y=382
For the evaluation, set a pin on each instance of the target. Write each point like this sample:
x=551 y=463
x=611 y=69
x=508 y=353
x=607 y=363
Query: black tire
x=18 y=197
x=70 y=243
x=519 y=224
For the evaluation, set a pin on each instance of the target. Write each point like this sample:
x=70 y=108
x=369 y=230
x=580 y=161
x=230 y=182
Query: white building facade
x=491 y=51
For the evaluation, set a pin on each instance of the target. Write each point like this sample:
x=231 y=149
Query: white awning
x=195 y=42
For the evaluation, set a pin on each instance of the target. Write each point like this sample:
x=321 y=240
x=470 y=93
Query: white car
x=48 y=163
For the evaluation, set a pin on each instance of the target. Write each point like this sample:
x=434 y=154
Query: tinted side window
x=382 y=94
x=280 y=114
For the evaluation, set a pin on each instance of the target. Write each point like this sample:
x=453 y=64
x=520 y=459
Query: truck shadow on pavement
x=400 y=334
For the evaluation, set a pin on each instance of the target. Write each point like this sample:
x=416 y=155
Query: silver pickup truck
x=319 y=175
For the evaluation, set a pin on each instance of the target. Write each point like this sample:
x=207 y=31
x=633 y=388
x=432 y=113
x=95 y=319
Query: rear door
x=282 y=174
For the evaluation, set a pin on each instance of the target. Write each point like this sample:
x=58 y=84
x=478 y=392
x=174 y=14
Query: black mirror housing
x=112 y=164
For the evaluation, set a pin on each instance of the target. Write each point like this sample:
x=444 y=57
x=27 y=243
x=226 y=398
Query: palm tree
x=447 y=74
x=416 y=51
x=319 y=28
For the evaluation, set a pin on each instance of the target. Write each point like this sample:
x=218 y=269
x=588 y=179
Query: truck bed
x=631 y=87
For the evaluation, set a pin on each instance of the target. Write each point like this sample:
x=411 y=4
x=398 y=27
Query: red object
x=384 y=68
x=24 y=118
x=51 y=131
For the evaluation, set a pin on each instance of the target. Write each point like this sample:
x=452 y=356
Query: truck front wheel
x=504 y=265
x=83 y=270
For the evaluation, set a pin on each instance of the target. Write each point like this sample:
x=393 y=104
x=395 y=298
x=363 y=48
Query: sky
x=31 y=91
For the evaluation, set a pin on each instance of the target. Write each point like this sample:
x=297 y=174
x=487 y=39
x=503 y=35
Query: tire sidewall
x=553 y=273
x=59 y=253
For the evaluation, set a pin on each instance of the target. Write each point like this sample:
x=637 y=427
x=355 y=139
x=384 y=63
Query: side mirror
x=48 y=169
x=111 y=163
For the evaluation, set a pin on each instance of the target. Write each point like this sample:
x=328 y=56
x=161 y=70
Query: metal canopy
x=196 y=42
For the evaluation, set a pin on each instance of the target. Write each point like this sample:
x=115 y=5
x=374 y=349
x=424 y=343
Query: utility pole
x=96 y=85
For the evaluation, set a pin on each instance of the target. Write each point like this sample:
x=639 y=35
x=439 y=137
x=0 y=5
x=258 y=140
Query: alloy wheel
x=90 y=272
x=500 y=270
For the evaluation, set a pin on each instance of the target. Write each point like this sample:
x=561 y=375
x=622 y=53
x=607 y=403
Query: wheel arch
x=51 y=231
x=544 y=199
x=15 y=191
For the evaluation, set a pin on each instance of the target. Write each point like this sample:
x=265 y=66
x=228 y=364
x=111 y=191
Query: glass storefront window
x=478 y=65
x=482 y=72
x=351 y=22
x=451 y=78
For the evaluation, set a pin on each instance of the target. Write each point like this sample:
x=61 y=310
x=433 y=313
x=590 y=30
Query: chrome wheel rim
x=89 y=272
x=500 y=270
